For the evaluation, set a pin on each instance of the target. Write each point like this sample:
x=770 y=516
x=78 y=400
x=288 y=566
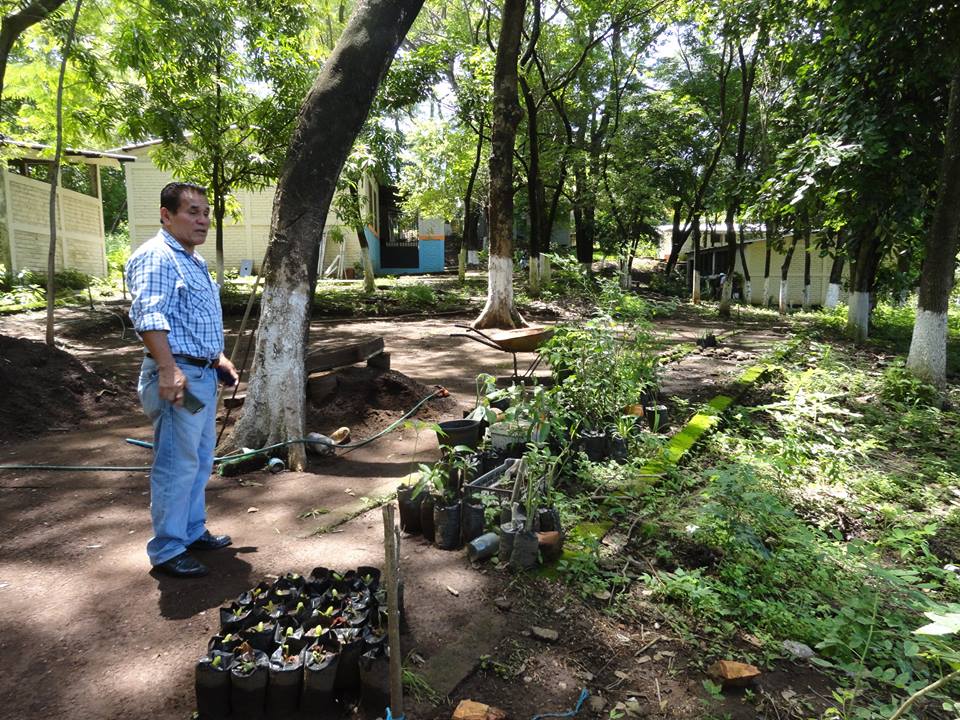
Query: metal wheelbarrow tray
x=527 y=339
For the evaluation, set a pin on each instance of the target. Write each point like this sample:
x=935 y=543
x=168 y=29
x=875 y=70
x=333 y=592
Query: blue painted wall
x=431 y=257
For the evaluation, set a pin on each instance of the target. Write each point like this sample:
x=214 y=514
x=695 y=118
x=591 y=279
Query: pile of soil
x=368 y=399
x=47 y=389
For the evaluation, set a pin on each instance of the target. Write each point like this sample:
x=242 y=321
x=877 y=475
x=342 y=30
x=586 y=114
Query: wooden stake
x=391 y=537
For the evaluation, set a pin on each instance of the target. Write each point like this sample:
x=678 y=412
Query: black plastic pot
x=446 y=519
x=212 y=684
x=657 y=417
x=409 y=509
x=594 y=444
x=248 y=685
x=460 y=432
x=618 y=448
x=283 y=690
x=490 y=459
x=319 y=675
x=426 y=517
x=508 y=533
x=547 y=519
x=375 y=682
x=226 y=643
x=370 y=576
x=525 y=552
x=471 y=520
x=234 y=618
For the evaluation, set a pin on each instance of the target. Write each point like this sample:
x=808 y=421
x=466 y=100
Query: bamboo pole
x=391 y=536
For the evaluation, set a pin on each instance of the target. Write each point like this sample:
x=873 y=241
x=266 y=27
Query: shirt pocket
x=199 y=291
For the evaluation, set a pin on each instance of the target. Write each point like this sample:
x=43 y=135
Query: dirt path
x=88 y=633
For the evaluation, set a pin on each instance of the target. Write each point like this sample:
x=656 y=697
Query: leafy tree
x=221 y=84
x=17 y=17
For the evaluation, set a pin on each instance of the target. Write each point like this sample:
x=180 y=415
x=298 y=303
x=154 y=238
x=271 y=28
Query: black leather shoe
x=182 y=566
x=209 y=542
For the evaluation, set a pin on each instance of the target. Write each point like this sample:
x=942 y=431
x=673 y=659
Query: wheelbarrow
x=527 y=339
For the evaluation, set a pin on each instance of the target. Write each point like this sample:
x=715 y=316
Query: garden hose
x=439 y=392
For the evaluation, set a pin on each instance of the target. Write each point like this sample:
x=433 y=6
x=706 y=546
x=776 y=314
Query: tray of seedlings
x=299 y=647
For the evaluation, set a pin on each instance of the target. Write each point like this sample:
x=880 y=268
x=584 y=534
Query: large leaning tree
x=330 y=120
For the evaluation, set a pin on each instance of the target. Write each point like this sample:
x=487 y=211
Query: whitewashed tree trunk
x=748 y=292
x=784 y=296
x=696 y=287
x=928 y=348
x=806 y=297
x=462 y=263
x=766 y=291
x=624 y=273
x=546 y=270
x=499 y=309
x=369 y=281
x=533 y=275
x=726 y=295
x=833 y=296
x=858 y=315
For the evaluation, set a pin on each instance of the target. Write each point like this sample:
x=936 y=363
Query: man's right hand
x=172 y=383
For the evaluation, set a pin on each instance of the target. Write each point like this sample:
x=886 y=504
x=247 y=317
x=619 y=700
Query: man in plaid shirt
x=176 y=312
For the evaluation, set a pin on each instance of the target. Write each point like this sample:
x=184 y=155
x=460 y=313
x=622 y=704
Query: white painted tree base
x=806 y=297
x=858 y=315
x=546 y=270
x=784 y=296
x=369 y=281
x=833 y=296
x=928 y=348
x=766 y=291
x=696 y=287
x=534 y=276
x=748 y=292
x=499 y=311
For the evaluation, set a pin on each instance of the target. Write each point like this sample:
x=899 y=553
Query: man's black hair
x=171 y=193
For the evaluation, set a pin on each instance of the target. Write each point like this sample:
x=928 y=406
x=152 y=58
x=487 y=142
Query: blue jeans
x=183 y=445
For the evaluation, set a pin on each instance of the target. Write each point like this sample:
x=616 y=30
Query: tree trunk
x=785 y=275
x=677 y=239
x=469 y=216
x=696 y=260
x=928 y=347
x=55 y=178
x=369 y=281
x=836 y=276
x=863 y=272
x=726 y=292
x=768 y=251
x=536 y=200
x=806 y=268
x=747 y=285
x=329 y=121
x=219 y=210
x=499 y=312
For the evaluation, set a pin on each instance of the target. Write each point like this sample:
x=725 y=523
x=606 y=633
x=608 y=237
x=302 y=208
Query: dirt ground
x=89 y=632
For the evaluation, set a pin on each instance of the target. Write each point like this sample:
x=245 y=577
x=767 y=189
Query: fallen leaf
x=253 y=509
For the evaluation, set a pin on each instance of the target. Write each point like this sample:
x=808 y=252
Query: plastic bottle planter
x=459 y=432
x=471 y=520
x=283 y=689
x=409 y=509
x=212 y=683
x=375 y=681
x=446 y=520
x=483 y=547
x=248 y=684
x=319 y=676
x=526 y=550
x=657 y=417
x=426 y=517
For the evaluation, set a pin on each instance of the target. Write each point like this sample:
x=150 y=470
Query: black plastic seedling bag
x=375 y=682
x=248 y=684
x=446 y=521
x=319 y=676
x=261 y=636
x=409 y=509
x=212 y=684
x=286 y=677
x=471 y=522
x=348 y=668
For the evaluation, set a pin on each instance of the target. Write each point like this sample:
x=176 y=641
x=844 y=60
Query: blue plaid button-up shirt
x=173 y=291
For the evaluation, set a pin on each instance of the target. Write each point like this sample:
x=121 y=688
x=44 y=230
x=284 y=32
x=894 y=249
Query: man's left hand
x=227 y=372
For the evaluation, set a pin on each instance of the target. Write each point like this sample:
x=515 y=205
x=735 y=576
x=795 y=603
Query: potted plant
x=285 y=679
x=212 y=685
x=319 y=676
x=248 y=682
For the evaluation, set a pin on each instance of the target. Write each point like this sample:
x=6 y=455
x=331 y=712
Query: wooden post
x=391 y=537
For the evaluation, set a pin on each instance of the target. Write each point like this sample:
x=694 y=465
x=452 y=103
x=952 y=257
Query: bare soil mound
x=47 y=389
x=368 y=399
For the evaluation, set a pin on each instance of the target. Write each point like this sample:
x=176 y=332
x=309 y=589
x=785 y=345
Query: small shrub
x=902 y=386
